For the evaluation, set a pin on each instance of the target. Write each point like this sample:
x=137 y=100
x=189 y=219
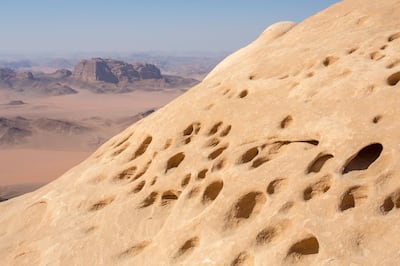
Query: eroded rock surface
x=286 y=154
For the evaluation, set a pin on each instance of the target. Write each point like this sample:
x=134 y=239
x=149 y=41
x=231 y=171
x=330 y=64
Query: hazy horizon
x=75 y=27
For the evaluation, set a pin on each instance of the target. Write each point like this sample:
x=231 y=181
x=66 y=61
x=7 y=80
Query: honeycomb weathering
x=286 y=154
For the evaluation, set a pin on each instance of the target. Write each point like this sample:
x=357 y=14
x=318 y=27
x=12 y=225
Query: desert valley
x=51 y=121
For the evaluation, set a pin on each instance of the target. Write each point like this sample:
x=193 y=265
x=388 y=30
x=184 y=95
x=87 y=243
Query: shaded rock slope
x=286 y=154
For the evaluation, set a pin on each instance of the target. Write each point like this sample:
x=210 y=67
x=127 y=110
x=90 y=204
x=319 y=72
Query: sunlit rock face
x=286 y=154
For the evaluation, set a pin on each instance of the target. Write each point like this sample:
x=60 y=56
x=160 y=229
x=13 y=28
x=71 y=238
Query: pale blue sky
x=37 y=26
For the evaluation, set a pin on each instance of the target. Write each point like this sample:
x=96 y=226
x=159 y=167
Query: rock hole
x=394 y=37
x=212 y=191
x=197 y=127
x=185 y=180
x=212 y=142
x=364 y=158
x=376 y=119
x=307 y=246
x=226 y=92
x=101 y=204
x=149 y=200
x=189 y=245
x=168 y=196
x=251 y=77
x=126 y=174
x=362 y=20
x=396 y=199
x=245 y=206
x=123 y=141
x=275 y=185
x=193 y=192
x=249 y=155
x=287 y=142
x=243 y=94
x=208 y=107
x=352 y=50
x=393 y=64
x=243 y=259
x=347 y=202
x=143 y=147
x=135 y=249
x=214 y=129
x=188 y=131
x=259 y=161
x=187 y=140
x=174 y=161
x=153 y=181
x=310 y=75
x=139 y=186
x=217 y=153
x=353 y=197
x=311 y=142
x=285 y=208
x=119 y=151
x=317 y=188
x=383 y=47
x=390 y=202
x=316 y=164
x=286 y=121
x=218 y=165
x=90 y=229
x=329 y=60
x=226 y=131
x=387 y=205
x=393 y=79
x=376 y=56
x=202 y=174
x=266 y=236
x=167 y=144
x=370 y=89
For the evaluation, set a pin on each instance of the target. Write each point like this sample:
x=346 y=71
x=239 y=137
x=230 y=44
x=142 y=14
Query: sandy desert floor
x=44 y=157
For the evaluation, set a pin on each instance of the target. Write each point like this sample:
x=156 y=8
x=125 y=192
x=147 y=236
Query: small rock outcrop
x=6 y=73
x=16 y=102
x=62 y=73
x=114 y=71
x=25 y=76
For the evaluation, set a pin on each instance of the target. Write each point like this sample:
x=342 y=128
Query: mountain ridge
x=97 y=75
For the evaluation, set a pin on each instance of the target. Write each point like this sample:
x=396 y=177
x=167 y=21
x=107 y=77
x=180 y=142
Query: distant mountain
x=97 y=74
x=114 y=71
x=16 y=64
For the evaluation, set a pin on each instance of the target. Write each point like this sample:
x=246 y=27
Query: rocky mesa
x=286 y=154
x=114 y=71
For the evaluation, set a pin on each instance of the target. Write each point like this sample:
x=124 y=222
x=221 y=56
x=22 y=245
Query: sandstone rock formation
x=286 y=154
x=114 y=71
